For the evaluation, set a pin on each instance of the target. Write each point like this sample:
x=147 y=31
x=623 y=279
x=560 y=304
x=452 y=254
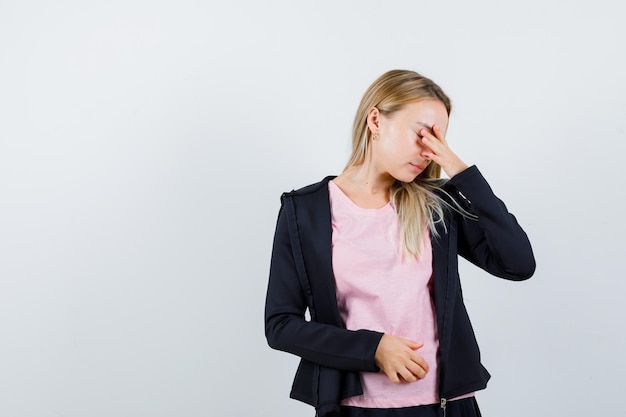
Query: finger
x=419 y=360
x=417 y=370
x=393 y=377
x=431 y=156
x=431 y=142
x=412 y=344
x=435 y=141
x=434 y=150
x=425 y=133
x=438 y=134
x=407 y=375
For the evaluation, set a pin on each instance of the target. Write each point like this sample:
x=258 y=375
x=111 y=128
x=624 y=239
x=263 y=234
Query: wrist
x=456 y=169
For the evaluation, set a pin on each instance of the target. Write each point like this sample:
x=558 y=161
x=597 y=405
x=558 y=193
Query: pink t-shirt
x=381 y=288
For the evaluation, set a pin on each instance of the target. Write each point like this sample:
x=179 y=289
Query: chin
x=405 y=178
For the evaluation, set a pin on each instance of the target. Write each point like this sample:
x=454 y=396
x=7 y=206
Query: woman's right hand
x=397 y=358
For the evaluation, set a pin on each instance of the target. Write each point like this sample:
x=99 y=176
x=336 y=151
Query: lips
x=417 y=167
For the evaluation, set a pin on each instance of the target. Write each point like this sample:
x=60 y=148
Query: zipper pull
x=444 y=402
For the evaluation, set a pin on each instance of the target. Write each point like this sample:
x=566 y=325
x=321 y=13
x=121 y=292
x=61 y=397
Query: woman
x=372 y=254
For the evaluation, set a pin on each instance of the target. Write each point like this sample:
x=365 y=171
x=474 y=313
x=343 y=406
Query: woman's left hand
x=437 y=149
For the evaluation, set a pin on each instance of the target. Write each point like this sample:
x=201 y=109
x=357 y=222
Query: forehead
x=425 y=111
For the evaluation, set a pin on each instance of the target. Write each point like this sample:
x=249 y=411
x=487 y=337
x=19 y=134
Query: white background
x=144 y=146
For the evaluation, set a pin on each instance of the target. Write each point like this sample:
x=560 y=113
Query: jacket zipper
x=444 y=401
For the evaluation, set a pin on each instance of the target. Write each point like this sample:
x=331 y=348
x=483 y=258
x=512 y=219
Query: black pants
x=466 y=407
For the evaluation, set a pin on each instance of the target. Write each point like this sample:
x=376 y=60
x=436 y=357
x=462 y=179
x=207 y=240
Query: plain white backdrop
x=144 y=146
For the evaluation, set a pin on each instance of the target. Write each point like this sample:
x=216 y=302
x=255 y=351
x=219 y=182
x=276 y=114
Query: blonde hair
x=417 y=203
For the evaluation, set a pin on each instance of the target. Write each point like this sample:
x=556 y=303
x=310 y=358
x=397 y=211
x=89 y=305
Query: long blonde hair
x=417 y=203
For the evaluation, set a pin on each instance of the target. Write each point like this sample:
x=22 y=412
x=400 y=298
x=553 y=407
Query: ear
x=373 y=120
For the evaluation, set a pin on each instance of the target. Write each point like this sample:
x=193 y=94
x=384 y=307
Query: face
x=399 y=150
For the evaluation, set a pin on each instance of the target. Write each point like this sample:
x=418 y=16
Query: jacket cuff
x=375 y=337
x=471 y=183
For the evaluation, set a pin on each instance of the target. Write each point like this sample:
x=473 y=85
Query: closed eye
x=424 y=126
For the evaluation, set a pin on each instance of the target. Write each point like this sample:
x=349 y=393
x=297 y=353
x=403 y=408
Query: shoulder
x=320 y=187
x=309 y=206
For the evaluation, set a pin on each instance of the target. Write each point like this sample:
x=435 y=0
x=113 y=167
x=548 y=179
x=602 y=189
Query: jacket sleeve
x=287 y=329
x=494 y=241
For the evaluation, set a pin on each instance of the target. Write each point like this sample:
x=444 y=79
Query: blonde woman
x=373 y=255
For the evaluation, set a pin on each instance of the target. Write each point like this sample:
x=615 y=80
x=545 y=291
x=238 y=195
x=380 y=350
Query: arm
x=495 y=241
x=286 y=328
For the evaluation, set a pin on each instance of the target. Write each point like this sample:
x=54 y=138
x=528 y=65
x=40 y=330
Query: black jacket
x=301 y=277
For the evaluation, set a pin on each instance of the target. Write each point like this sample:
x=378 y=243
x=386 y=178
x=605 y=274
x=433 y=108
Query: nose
x=420 y=145
x=420 y=148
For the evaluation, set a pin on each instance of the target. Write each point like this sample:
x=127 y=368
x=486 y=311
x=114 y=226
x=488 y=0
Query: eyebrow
x=425 y=126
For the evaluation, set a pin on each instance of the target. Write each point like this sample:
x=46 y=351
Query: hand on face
x=437 y=149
